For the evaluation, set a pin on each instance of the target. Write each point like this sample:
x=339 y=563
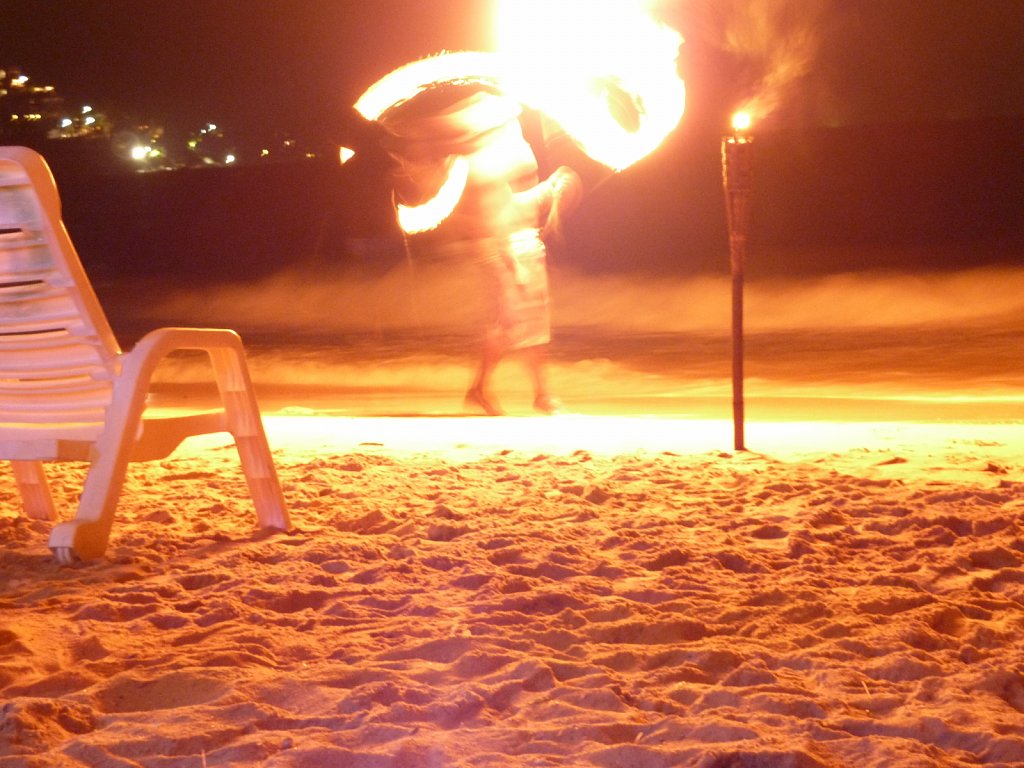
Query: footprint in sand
x=32 y=725
x=127 y=693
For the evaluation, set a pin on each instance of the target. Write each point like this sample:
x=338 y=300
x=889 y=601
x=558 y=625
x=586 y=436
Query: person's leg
x=536 y=363
x=477 y=395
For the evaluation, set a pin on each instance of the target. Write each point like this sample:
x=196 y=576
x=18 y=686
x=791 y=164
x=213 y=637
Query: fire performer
x=471 y=135
x=466 y=181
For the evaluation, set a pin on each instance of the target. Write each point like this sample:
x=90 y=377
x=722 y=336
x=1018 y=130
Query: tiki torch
x=737 y=175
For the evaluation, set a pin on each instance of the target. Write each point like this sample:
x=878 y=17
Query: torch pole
x=737 y=173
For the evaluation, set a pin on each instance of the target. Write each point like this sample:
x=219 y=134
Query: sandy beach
x=619 y=585
x=614 y=586
x=845 y=594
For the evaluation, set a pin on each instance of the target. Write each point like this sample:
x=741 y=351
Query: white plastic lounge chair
x=68 y=392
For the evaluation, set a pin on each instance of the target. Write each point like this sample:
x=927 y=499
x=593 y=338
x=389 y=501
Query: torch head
x=737 y=155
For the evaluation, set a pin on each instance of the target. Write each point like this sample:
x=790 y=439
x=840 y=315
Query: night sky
x=295 y=64
x=285 y=64
x=855 y=90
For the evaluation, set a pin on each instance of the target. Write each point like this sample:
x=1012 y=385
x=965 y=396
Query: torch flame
x=604 y=70
x=421 y=218
x=742 y=121
x=415 y=77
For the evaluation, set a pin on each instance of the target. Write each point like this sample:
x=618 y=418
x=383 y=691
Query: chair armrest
x=157 y=344
x=224 y=347
x=227 y=356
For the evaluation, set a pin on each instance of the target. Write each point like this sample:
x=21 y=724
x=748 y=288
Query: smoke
x=374 y=344
x=444 y=299
x=774 y=44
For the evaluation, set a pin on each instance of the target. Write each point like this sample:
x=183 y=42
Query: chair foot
x=79 y=540
x=64 y=555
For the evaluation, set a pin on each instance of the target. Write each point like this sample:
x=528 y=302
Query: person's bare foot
x=547 y=405
x=476 y=398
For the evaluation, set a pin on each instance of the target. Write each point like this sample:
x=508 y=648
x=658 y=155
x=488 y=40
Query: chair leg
x=86 y=535
x=246 y=426
x=36 y=500
x=264 y=486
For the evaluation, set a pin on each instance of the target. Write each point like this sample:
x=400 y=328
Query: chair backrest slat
x=74 y=412
x=58 y=354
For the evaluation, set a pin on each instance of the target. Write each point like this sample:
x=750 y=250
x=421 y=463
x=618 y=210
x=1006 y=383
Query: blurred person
x=500 y=222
